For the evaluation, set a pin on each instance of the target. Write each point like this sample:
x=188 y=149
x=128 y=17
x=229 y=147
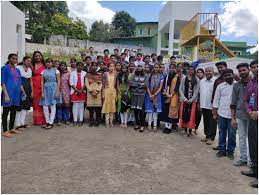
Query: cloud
x=89 y=11
x=240 y=18
x=163 y=3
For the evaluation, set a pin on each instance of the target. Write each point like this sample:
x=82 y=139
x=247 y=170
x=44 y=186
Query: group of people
x=138 y=90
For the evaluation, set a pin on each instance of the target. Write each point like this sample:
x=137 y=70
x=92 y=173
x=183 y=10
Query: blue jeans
x=242 y=126
x=226 y=134
x=62 y=113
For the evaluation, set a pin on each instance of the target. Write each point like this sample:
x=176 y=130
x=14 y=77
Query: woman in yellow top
x=109 y=95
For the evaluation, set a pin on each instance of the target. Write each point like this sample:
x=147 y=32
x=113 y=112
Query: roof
x=146 y=23
x=134 y=37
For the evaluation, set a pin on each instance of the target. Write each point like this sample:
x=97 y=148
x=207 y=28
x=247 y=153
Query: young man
x=113 y=59
x=83 y=56
x=117 y=54
x=239 y=116
x=88 y=61
x=153 y=59
x=160 y=59
x=106 y=58
x=99 y=59
x=147 y=62
x=251 y=105
x=172 y=61
x=139 y=60
x=206 y=88
x=221 y=105
x=91 y=54
x=221 y=66
x=123 y=59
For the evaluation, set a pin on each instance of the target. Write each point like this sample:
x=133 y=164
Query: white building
x=12 y=31
x=172 y=18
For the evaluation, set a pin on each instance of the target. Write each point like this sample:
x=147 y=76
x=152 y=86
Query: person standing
x=50 y=84
x=251 y=105
x=91 y=54
x=109 y=95
x=93 y=83
x=138 y=87
x=38 y=65
x=221 y=106
x=106 y=58
x=12 y=90
x=26 y=102
x=239 y=116
x=123 y=95
x=139 y=60
x=153 y=101
x=200 y=75
x=206 y=88
x=78 y=95
x=65 y=94
x=153 y=59
x=189 y=89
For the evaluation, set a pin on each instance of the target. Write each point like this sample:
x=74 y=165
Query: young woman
x=56 y=64
x=189 y=89
x=118 y=67
x=138 y=85
x=131 y=68
x=131 y=117
x=147 y=70
x=26 y=76
x=78 y=94
x=64 y=109
x=50 y=85
x=170 y=100
x=109 y=95
x=153 y=101
x=12 y=90
x=93 y=83
x=72 y=64
x=38 y=64
x=123 y=94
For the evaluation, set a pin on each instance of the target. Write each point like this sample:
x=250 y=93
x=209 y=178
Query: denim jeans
x=226 y=134
x=242 y=126
x=62 y=113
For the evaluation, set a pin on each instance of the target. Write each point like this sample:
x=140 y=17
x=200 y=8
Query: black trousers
x=210 y=124
x=253 y=144
x=139 y=117
x=5 y=114
x=198 y=115
x=97 y=111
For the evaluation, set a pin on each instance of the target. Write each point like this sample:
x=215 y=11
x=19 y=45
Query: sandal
x=20 y=128
x=26 y=126
x=8 y=134
x=136 y=128
x=45 y=125
x=49 y=126
x=15 y=131
x=141 y=129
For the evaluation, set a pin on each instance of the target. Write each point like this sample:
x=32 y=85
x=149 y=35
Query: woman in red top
x=38 y=66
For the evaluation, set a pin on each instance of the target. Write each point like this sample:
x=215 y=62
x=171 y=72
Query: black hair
x=25 y=58
x=106 y=50
x=56 y=61
x=186 y=64
x=153 y=71
x=121 y=74
x=160 y=57
x=115 y=49
x=246 y=65
x=33 y=56
x=10 y=56
x=99 y=56
x=200 y=69
x=112 y=56
x=88 y=57
x=83 y=54
x=139 y=54
x=131 y=63
x=93 y=64
x=72 y=59
x=90 y=47
x=79 y=64
x=153 y=54
x=221 y=63
x=123 y=54
x=146 y=56
x=131 y=57
x=125 y=50
x=49 y=60
x=142 y=73
x=227 y=71
x=255 y=61
x=172 y=57
x=62 y=63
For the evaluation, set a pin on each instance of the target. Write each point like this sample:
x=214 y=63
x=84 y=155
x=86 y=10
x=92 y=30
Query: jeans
x=63 y=113
x=242 y=126
x=253 y=144
x=226 y=134
x=210 y=124
x=6 y=110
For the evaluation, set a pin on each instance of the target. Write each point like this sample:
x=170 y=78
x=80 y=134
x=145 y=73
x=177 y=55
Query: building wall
x=145 y=26
x=12 y=20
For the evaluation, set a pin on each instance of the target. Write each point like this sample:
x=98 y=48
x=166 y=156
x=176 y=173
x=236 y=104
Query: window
x=237 y=53
x=140 y=31
x=148 y=32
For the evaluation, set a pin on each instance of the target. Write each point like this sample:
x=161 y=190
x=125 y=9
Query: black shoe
x=254 y=183
x=91 y=123
x=96 y=123
x=141 y=129
x=220 y=154
x=231 y=156
x=216 y=148
x=167 y=131
x=249 y=173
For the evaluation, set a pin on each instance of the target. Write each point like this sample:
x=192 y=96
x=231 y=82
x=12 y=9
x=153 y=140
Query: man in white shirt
x=139 y=61
x=221 y=106
x=206 y=88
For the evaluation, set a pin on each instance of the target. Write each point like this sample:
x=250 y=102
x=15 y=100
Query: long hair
x=61 y=63
x=121 y=74
x=33 y=56
x=10 y=56
x=153 y=71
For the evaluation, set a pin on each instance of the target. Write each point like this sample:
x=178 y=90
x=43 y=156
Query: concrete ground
x=71 y=159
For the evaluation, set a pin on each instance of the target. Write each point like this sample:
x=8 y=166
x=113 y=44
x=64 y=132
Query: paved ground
x=100 y=160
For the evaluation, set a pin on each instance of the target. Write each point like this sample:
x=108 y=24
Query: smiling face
x=199 y=74
x=221 y=68
x=254 y=69
x=27 y=62
x=13 y=60
x=156 y=69
x=190 y=71
x=118 y=66
x=63 y=67
x=243 y=72
x=49 y=64
x=124 y=69
x=111 y=67
x=37 y=57
x=139 y=68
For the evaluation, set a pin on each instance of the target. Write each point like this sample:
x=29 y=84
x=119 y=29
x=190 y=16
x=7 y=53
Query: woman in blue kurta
x=153 y=101
x=12 y=91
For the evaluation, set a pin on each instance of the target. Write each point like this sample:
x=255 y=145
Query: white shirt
x=26 y=74
x=206 y=88
x=139 y=63
x=73 y=79
x=222 y=99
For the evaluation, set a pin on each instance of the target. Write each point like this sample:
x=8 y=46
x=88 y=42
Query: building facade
x=12 y=31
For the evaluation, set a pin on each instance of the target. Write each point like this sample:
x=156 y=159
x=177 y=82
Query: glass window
x=148 y=31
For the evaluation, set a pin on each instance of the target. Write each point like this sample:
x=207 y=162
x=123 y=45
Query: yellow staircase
x=203 y=27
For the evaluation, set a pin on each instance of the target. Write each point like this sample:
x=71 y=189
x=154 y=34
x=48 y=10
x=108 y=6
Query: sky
x=238 y=18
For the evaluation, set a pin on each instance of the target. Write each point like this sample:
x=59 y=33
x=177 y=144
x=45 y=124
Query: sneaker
x=249 y=173
x=231 y=156
x=254 y=183
x=216 y=148
x=209 y=142
x=240 y=163
x=220 y=154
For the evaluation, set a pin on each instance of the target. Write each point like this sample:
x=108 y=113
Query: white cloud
x=240 y=18
x=163 y=3
x=89 y=11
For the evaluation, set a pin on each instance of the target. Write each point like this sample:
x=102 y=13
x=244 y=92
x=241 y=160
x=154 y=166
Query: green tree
x=100 y=32
x=123 y=24
x=78 y=30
